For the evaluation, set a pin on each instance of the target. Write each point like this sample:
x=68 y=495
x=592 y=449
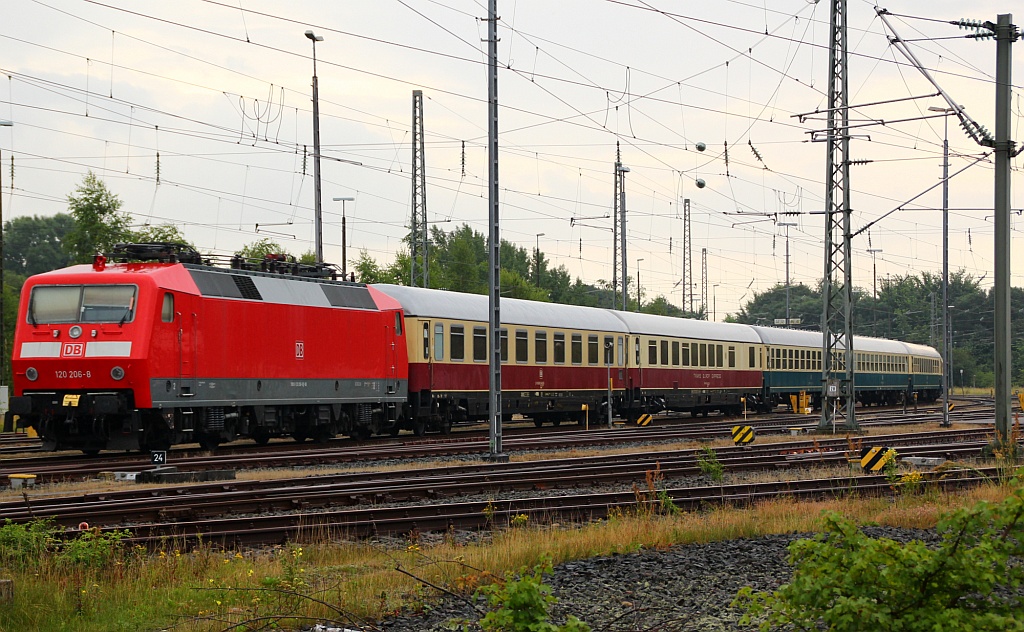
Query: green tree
x=369 y=271
x=99 y=221
x=260 y=248
x=35 y=244
x=847 y=581
x=168 y=233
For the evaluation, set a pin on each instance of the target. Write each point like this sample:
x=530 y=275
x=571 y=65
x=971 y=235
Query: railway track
x=190 y=511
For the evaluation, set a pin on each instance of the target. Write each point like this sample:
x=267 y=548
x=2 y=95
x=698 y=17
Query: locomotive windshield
x=82 y=304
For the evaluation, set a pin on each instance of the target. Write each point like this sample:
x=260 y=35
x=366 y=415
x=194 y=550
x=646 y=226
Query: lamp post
x=787 y=226
x=714 y=303
x=3 y=339
x=637 y=283
x=344 y=240
x=317 y=215
x=945 y=261
x=539 y=235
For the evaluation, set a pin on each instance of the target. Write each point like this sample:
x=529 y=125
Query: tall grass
x=121 y=587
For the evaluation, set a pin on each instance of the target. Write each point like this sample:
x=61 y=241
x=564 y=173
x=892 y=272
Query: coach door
x=187 y=349
x=391 y=354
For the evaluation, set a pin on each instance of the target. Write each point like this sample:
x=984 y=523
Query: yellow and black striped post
x=644 y=419
x=742 y=435
x=874 y=459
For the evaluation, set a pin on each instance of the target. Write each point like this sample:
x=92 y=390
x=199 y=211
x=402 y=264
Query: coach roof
x=426 y=303
x=652 y=325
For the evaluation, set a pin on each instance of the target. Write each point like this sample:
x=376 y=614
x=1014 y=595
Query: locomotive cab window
x=398 y=323
x=82 y=304
x=167 y=309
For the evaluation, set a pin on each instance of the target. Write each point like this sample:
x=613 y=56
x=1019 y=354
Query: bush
x=521 y=605
x=24 y=545
x=851 y=582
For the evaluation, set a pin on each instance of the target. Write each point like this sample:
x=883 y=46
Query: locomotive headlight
x=75 y=331
x=117 y=373
x=32 y=374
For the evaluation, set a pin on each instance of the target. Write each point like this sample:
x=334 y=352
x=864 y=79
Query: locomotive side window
x=559 y=347
x=398 y=323
x=522 y=346
x=480 y=344
x=577 y=349
x=82 y=304
x=592 y=352
x=458 y=342
x=167 y=310
x=439 y=341
x=540 y=347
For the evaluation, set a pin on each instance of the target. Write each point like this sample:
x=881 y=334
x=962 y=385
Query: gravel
x=683 y=588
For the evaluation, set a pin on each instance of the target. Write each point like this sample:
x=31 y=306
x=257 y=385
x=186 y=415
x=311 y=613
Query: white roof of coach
x=807 y=338
x=922 y=350
x=429 y=303
x=788 y=337
x=652 y=325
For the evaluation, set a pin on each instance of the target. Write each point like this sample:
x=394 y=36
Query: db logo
x=300 y=349
x=72 y=350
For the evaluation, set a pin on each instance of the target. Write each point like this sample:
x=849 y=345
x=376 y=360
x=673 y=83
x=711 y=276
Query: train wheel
x=419 y=428
x=537 y=422
x=556 y=422
x=395 y=429
x=362 y=433
x=300 y=437
x=446 y=425
x=208 y=443
x=261 y=438
x=90 y=451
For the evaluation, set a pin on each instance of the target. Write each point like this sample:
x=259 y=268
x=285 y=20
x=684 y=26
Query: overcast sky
x=223 y=92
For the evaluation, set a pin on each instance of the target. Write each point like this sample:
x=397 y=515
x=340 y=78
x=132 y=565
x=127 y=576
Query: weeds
x=707 y=461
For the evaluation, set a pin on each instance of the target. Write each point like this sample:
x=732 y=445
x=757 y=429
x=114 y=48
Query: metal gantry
x=418 y=230
x=837 y=365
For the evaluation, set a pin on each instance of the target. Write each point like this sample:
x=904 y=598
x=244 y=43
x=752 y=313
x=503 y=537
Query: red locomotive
x=121 y=355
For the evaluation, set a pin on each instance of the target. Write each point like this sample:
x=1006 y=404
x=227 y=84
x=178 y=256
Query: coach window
x=480 y=344
x=577 y=349
x=609 y=350
x=540 y=347
x=426 y=341
x=503 y=335
x=751 y=358
x=732 y=357
x=439 y=341
x=167 y=311
x=694 y=354
x=458 y=342
x=522 y=346
x=686 y=354
x=652 y=352
x=559 y=343
x=675 y=353
x=703 y=354
x=636 y=350
x=664 y=352
x=593 y=352
x=719 y=349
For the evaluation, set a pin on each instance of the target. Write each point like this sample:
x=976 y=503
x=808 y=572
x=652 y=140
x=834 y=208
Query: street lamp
x=3 y=339
x=344 y=259
x=637 y=282
x=874 y=272
x=787 y=226
x=945 y=260
x=317 y=215
x=539 y=235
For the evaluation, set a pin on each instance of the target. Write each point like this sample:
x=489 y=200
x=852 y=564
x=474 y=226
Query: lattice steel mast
x=418 y=230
